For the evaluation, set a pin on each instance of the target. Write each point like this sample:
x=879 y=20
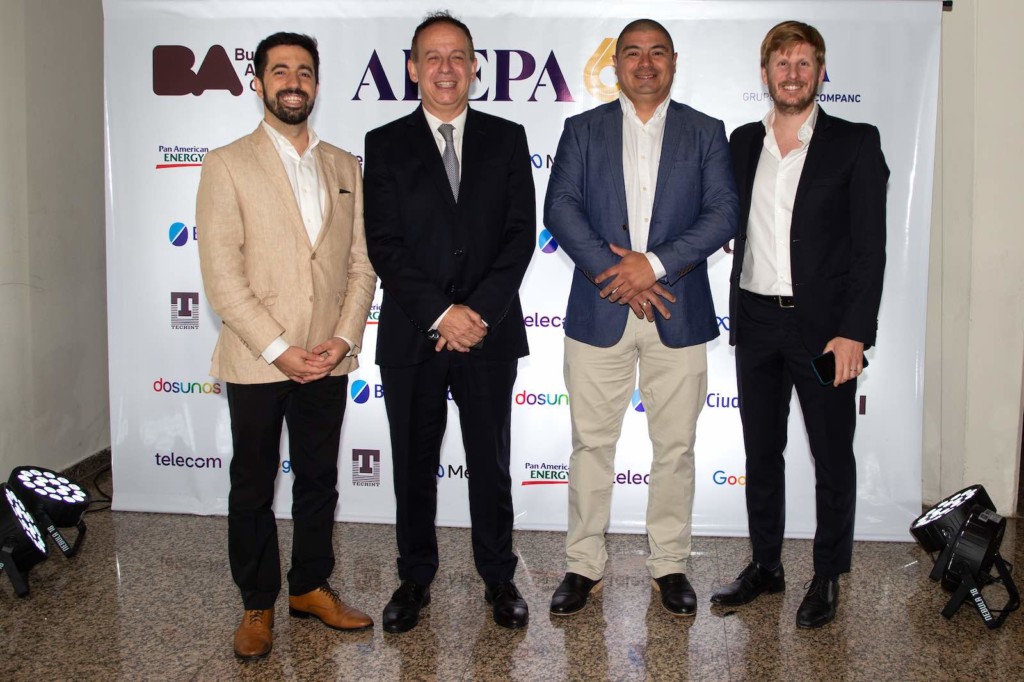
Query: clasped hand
x=304 y=366
x=461 y=328
x=633 y=283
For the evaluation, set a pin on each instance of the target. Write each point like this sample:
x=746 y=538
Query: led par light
x=55 y=502
x=966 y=563
x=21 y=544
x=937 y=527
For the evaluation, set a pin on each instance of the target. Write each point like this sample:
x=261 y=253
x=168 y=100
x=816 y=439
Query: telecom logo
x=546 y=243
x=599 y=72
x=546 y=474
x=184 y=310
x=541 y=399
x=543 y=321
x=178 y=234
x=636 y=402
x=722 y=478
x=161 y=385
x=188 y=462
x=360 y=391
x=178 y=156
x=630 y=477
x=366 y=468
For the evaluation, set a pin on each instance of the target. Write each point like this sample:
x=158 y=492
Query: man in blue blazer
x=640 y=194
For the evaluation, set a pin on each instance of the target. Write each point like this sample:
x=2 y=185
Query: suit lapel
x=472 y=148
x=816 y=153
x=270 y=161
x=612 y=124
x=424 y=146
x=669 y=143
x=329 y=181
x=753 y=158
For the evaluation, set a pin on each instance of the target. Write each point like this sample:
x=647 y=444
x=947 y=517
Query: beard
x=283 y=113
x=791 y=106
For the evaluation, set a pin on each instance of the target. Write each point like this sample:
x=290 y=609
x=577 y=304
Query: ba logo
x=360 y=391
x=600 y=69
x=637 y=405
x=546 y=243
x=173 y=75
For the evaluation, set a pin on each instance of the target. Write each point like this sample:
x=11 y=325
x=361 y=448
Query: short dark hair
x=307 y=43
x=442 y=17
x=644 y=25
x=787 y=35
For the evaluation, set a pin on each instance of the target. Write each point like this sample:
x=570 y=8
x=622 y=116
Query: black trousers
x=771 y=359
x=314 y=414
x=416 y=401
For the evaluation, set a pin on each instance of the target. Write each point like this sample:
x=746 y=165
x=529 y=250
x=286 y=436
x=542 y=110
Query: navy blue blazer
x=696 y=211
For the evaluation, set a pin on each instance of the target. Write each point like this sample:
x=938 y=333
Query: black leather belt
x=781 y=301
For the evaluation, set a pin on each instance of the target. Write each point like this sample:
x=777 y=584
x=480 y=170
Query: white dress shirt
x=766 y=259
x=641 y=157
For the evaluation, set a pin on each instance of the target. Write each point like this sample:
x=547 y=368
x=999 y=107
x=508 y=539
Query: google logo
x=720 y=478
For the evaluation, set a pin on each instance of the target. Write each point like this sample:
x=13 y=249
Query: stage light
x=21 y=544
x=965 y=566
x=937 y=527
x=55 y=502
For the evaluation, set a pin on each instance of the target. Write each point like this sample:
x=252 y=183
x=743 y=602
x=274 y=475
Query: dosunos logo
x=162 y=385
x=541 y=399
x=599 y=72
x=636 y=402
x=546 y=243
x=546 y=474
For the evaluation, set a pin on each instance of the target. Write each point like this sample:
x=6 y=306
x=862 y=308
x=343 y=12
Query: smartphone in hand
x=825 y=367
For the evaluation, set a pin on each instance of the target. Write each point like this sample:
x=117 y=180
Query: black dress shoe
x=677 y=595
x=510 y=609
x=819 y=605
x=751 y=583
x=571 y=595
x=403 y=610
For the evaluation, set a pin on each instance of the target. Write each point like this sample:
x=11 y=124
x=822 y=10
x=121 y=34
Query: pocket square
x=342 y=190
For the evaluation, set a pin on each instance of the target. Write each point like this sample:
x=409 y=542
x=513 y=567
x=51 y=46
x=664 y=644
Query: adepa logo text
x=361 y=391
x=546 y=243
x=178 y=234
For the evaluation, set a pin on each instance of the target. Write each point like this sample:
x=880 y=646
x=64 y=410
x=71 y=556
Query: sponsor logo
x=543 y=321
x=362 y=391
x=184 y=310
x=162 y=385
x=366 y=468
x=630 y=477
x=546 y=243
x=635 y=401
x=546 y=474
x=373 y=317
x=824 y=96
x=177 y=235
x=541 y=161
x=721 y=400
x=599 y=72
x=723 y=322
x=174 y=156
x=452 y=471
x=722 y=478
x=541 y=399
x=174 y=76
x=503 y=76
x=187 y=462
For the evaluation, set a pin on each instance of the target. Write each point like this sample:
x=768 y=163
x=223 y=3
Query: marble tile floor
x=150 y=597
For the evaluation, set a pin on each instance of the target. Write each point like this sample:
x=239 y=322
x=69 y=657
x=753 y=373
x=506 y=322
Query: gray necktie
x=451 y=162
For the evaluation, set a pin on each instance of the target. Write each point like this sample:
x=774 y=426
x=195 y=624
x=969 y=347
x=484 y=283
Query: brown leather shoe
x=325 y=604
x=253 y=638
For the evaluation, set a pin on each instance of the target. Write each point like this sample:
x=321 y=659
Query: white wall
x=53 y=364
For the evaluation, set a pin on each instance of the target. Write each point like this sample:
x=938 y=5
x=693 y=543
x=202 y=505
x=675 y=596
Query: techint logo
x=722 y=400
x=543 y=321
x=173 y=460
x=636 y=402
x=546 y=243
x=373 y=317
x=184 y=310
x=366 y=468
x=721 y=478
x=546 y=474
x=630 y=477
x=205 y=388
x=498 y=70
x=173 y=75
x=541 y=399
x=599 y=72
x=176 y=156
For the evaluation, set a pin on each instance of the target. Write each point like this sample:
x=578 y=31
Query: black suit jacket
x=837 y=237
x=430 y=251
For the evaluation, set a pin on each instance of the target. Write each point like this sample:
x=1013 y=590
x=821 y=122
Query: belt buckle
x=782 y=301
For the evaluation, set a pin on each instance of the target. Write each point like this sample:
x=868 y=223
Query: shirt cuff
x=440 y=317
x=659 y=269
x=274 y=350
x=351 y=346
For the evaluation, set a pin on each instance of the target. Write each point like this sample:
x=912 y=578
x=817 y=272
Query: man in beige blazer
x=284 y=265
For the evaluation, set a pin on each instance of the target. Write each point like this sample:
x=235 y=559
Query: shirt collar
x=629 y=109
x=285 y=145
x=459 y=122
x=806 y=129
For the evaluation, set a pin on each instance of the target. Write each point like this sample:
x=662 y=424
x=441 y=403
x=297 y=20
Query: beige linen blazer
x=261 y=274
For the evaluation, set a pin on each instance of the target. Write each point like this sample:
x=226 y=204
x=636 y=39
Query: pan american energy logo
x=366 y=468
x=546 y=474
x=180 y=156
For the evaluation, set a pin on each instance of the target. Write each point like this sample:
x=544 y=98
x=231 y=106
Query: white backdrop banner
x=178 y=79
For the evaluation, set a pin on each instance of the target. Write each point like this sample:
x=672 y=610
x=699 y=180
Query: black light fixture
x=54 y=500
x=967 y=532
x=21 y=543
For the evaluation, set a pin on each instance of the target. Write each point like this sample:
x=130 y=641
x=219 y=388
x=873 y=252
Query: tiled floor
x=150 y=597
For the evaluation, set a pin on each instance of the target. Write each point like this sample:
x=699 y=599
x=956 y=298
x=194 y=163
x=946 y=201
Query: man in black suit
x=450 y=215
x=806 y=280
